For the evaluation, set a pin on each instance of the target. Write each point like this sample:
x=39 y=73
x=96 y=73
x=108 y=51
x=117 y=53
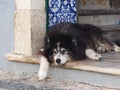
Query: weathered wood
x=93 y=4
x=110 y=64
x=99 y=12
x=114 y=3
x=100 y=20
x=110 y=28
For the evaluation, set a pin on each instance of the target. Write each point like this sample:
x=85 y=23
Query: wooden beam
x=99 y=12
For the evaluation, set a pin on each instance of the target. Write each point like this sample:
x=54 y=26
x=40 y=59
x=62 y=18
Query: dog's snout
x=58 y=60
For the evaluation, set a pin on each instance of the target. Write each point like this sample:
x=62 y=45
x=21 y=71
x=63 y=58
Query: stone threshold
x=110 y=64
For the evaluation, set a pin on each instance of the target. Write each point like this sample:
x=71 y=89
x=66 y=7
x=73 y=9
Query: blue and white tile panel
x=61 y=11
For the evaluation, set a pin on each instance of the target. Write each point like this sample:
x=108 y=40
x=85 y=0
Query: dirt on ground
x=13 y=81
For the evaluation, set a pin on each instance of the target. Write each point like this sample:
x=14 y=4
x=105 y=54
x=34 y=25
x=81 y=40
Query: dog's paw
x=91 y=54
x=96 y=57
x=100 y=49
x=42 y=75
x=116 y=48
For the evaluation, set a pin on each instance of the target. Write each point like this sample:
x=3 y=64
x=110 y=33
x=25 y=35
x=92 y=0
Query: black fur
x=74 y=37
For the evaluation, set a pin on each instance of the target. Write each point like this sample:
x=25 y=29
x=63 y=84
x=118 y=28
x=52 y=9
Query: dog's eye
x=63 y=51
x=54 y=51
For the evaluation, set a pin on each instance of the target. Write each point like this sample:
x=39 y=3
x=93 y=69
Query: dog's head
x=60 y=54
x=59 y=50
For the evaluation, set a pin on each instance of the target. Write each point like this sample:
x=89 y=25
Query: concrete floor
x=12 y=81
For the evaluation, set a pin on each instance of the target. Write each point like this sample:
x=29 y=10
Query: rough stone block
x=29 y=30
x=30 y=4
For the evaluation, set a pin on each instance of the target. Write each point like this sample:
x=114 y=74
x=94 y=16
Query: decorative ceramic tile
x=61 y=11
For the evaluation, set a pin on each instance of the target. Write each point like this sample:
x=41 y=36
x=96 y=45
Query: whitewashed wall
x=7 y=8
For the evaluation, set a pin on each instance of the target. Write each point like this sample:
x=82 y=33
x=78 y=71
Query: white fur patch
x=42 y=49
x=116 y=48
x=64 y=58
x=60 y=53
x=44 y=65
x=58 y=46
x=91 y=54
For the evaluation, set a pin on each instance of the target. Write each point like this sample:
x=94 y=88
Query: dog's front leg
x=44 y=65
x=91 y=54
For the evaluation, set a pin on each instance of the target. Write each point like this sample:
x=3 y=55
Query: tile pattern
x=61 y=11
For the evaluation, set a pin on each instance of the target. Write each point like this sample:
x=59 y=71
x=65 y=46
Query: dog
x=72 y=41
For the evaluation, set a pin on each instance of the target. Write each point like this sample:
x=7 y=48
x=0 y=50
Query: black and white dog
x=68 y=41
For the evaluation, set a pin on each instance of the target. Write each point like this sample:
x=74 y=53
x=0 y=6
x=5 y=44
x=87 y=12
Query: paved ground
x=12 y=81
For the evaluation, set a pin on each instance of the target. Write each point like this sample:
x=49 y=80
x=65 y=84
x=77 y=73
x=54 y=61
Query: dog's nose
x=58 y=60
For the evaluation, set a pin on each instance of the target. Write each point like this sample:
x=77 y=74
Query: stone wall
x=30 y=26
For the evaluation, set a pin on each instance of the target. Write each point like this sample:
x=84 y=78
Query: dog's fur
x=113 y=35
x=66 y=41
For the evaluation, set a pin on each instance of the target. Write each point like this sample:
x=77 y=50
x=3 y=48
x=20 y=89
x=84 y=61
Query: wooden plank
x=93 y=4
x=114 y=3
x=111 y=28
x=99 y=12
x=100 y=20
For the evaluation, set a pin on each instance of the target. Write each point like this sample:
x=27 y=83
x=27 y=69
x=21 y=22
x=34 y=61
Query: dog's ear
x=74 y=41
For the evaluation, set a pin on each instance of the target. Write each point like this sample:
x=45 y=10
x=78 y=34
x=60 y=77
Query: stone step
x=105 y=72
x=93 y=78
